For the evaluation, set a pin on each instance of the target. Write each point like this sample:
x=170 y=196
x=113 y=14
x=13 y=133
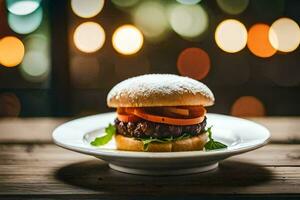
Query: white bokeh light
x=22 y=7
x=87 y=8
x=127 y=39
x=284 y=35
x=150 y=17
x=189 y=21
x=231 y=36
x=89 y=37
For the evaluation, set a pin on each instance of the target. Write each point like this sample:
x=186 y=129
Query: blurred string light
x=24 y=24
x=89 y=37
x=189 y=21
x=87 y=8
x=233 y=7
x=284 y=35
x=248 y=106
x=36 y=63
x=37 y=42
x=22 y=7
x=194 y=63
x=35 y=66
x=11 y=51
x=150 y=17
x=258 y=41
x=125 y=3
x=188 y=2
x=127 y=39
x=10 y=105
x=85 y=72
x=231 y=36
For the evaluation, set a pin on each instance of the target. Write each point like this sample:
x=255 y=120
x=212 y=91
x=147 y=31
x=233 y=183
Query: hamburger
x=160 y=113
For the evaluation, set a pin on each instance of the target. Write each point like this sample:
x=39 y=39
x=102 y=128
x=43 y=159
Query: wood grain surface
x=31 y=167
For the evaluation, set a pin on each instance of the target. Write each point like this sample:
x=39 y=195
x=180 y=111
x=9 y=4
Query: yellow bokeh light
x=284 y=35
x=11 y=51
x=87 y=8
x=231 y=36
x=89 y=37
x=127 y=39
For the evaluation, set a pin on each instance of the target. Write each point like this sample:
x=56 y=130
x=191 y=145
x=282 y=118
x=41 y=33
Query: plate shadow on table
x=96 y=175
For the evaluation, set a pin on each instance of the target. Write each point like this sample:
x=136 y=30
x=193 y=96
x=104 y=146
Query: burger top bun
x=159 y=90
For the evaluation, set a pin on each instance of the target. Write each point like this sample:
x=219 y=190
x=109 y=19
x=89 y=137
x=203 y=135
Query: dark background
x=273 y=81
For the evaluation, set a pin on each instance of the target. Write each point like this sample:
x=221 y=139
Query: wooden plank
x=28 y=130
x=39 y=130
x=48 y=170
x=283 y=129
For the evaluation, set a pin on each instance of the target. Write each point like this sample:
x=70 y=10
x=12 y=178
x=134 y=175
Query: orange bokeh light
x=11 y=51
x=258 y=41
x=194 y=63
x=248 y=106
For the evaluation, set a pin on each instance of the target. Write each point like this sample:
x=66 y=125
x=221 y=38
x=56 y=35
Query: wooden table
x=32 y=166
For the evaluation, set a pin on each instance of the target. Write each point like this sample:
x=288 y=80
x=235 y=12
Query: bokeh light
x=188 y=2
x=10 y=105
x=125 y=4
x=150 y=17
x=24 y=24
x=11 y=51
x=233 y=7
x=194 y=63
x=37 y=42
x=248 y=106
x=127 y=39
x=85 y=72
x=35 y=66
x=36 y=63
x=189 y=21
x=128 y=67
x=89 y=37
x=258 y=41
x=284 y=35
x=231 y=35
x=87 y=8
x=22 y=7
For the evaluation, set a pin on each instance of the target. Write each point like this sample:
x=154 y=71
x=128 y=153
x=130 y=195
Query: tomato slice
x=166 y=120
x=196 y=111
x=127 y=118
x=183 y=112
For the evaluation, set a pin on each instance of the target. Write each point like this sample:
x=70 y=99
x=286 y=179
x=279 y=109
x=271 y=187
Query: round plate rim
x=130 y=154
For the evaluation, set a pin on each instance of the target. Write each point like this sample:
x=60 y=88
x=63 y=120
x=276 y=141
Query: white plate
x=239 y=134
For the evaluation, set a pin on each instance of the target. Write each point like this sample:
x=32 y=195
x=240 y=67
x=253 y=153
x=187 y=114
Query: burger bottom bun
x=189 y=144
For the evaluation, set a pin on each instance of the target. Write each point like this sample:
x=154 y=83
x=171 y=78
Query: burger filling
x=160 y=125
x=146 y=129
x=161 y=122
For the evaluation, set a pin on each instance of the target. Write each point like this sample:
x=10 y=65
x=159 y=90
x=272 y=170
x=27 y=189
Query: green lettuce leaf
x=147 y=141
x=110 y=131
x=213 y=144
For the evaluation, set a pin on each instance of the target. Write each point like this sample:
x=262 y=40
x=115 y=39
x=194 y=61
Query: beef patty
x=146 y=129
